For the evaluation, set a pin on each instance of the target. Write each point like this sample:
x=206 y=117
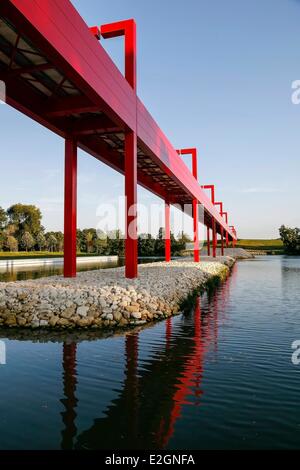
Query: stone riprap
x=237 y=253
x=105 y=298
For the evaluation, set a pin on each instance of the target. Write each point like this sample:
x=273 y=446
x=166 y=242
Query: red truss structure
x=57 y=72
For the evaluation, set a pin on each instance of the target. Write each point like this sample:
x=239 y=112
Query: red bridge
x=57 y=73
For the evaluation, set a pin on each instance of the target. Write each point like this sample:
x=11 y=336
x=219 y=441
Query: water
x=218 y=377
x=22 y=273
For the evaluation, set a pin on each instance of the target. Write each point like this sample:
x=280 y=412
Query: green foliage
x=291 y=239
x=27 y=241
x=3 y=219
x=41 y=241
x=25 y=218
x=51 y=242
x=20 y=226
x=146 y=245
x=10 y=243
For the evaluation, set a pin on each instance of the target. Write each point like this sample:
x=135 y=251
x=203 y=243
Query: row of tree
x=291 y=239
x=21 y=230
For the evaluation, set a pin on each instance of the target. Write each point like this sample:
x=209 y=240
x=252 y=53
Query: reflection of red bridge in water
x=57 y=72
x=150 y=403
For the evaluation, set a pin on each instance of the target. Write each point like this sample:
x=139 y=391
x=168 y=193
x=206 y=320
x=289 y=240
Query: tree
x=51 y=241
x=27 y=241
x=183 y=237
x=55 y=241
x=60 y=241
x=115 y=242
x=160 y=243
x=101 y=246
x=26 y=218
x=89 y=237
x=89 y=240
x=291 y=239
x=79 y=240
x=41 y=241
x=3 y=219
x=10 y=243
x=146 y=245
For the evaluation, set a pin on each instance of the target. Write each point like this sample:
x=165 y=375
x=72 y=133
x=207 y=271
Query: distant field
x=37 y=254
x=266 y=245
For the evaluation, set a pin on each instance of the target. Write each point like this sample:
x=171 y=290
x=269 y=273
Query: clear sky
x=216 y=75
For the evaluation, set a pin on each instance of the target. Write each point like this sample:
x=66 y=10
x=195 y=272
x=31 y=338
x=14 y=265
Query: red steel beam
x=226 y=235
x=211 y=187
x=193 y=153
x=220 y=204
x=222 y=241
x=167 y=233
x=208 y=240
x=127 y=29
x=70 y=213
x=214 y=238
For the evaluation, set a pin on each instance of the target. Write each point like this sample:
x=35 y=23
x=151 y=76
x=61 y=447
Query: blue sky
x=215 y=75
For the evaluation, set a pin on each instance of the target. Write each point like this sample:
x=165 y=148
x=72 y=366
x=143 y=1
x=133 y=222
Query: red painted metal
x=208 y=240
x=222 y=241
x=127 y=28
x=226 y=235
x=167 y=232
x=61 y=38
x=95 y=32
x=193 y=153
x=214 y=238
x=70 y=222
x=211 y=187
x=220 y=204
x=196 y=231
x=131 y=241
x=234 y=239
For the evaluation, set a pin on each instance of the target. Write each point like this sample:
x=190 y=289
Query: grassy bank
x=272 y=245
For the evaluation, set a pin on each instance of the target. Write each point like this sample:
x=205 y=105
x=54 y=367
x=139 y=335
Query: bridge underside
x=58 y=74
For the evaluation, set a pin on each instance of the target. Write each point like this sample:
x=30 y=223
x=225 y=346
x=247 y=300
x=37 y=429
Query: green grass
x=37 y=254
x=261 y=244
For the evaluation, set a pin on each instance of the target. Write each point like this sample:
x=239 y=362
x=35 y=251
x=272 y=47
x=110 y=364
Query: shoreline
x=104 y=298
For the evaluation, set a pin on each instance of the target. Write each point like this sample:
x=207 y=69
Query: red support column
x=193 y=152
x=196 y=231
x=131 y=242
x=70 y=209
x=127 y=29
x=226 y=218
x=167 y=233
x=222 y=241
x=214 y=240
x=208 y=241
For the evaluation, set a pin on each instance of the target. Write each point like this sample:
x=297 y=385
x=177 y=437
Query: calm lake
x=218 y=377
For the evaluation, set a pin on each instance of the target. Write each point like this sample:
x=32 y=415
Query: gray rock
x=82 y=311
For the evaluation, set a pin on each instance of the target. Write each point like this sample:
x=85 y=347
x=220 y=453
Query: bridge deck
x=57 y=73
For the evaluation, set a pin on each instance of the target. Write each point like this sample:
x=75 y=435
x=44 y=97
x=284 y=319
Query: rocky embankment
x=104 y=298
